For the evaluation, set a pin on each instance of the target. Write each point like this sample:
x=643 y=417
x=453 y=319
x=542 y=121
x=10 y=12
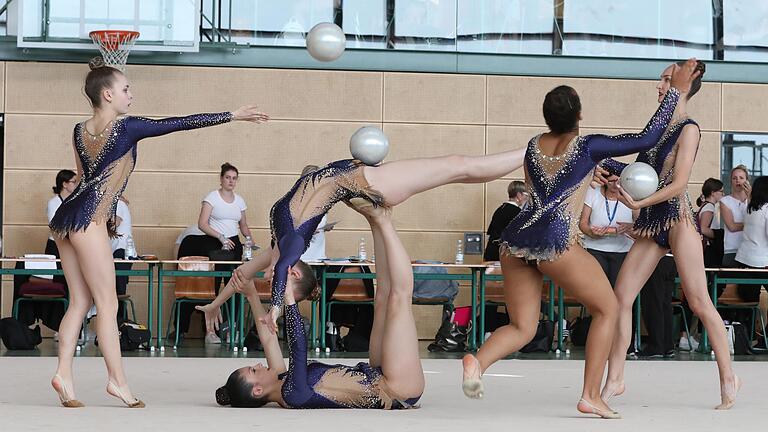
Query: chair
x=730 y=300
x=191 y=289
x=40 y=288
x=349 y=291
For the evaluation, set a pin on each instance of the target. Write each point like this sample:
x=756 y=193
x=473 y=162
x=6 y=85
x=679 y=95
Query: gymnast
x=544 y=238
x=392 y=379
x=105 y=148
x=667 y=222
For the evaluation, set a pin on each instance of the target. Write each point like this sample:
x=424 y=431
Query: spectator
x=605 y=221
x=49 y=313
x=733 y=208
x=753 y=251
x=124 y=227
x=66 y=180
x=708 y=217
x=518 y=195
x=222 y=218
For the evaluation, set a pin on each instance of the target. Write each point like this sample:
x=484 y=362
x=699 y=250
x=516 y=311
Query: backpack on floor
x=17 y=336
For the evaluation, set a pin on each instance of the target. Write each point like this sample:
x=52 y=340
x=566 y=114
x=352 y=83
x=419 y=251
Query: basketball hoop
x=114 y=45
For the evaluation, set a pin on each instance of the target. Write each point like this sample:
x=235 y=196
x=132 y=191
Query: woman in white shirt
x=66 y=180
x=753 y=251
x=222 y=215
x=709 y=220
x=222 y=219
x=604 y=221
x=733 y=208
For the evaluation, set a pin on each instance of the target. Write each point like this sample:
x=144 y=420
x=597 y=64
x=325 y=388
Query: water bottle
x=247 y=249
x=130 y=247
x=361 y=250
x=459 y=252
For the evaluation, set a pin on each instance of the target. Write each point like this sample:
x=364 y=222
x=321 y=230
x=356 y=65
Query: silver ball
x=326 y=42
x=639 y=180
x=369 y=145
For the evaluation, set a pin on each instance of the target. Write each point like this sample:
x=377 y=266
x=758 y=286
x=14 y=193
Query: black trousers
x=610 y=262
x=656 y=303
x=121 y=282
x=358 y=318
x=202 y=246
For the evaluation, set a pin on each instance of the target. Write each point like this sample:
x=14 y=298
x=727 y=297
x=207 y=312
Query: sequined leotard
x=549 y=225
x=319 y=385
x=105 y=162
x=295 y=217
x=656 y=220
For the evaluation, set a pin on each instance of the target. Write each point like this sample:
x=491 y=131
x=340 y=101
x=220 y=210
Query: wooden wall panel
x=434 y=98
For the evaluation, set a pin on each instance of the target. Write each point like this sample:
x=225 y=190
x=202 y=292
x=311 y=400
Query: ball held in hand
x=639 y=180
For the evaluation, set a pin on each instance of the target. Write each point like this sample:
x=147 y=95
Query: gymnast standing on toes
x=542 y=239
x=393 y=377
x=667 y=222
x=295 y=217
x=105 y=155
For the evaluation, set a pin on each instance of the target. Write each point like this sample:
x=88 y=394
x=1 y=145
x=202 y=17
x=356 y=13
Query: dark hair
x=226 y=166
x=100 y=77
x=306 y=288
x=62 y=177
x=710 y=186
x=238 y=393
x=562 y=107
x=759 y=195
x=515 y=187
x=696 y=84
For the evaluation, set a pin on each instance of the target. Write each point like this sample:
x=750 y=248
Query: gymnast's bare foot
x=472 y=383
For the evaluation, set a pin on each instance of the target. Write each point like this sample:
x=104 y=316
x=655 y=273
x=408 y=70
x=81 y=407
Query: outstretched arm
x=604 y=146
x=296 y=380
x=287 y=251
x=269 y=341
x=601 y=146
x=142 y=127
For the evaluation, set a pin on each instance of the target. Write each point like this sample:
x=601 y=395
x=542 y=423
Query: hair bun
x=701 y=67
x=96 y=62
x=222 y=396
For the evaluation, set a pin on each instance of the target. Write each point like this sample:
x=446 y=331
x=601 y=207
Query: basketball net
x=114 y=45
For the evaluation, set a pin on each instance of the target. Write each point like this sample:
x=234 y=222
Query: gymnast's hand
x=627 y=200
x=249 y=113
x=683 y=76
x=270 y=319
x=239 y=280
x=600 y=177
x=212 y=316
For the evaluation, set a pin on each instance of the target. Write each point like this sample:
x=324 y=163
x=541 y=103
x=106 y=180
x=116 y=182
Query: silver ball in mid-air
x=639 y=180
x=369 y=145
x=326 y=42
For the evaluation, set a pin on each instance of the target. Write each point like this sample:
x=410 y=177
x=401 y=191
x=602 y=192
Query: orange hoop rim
x=103 y=34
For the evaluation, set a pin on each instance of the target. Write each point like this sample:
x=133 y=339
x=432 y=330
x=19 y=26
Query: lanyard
x=611 y=216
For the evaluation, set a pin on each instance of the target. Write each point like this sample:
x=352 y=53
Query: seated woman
x=392 y=379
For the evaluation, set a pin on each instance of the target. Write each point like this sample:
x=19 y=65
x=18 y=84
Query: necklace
x=100 y=134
